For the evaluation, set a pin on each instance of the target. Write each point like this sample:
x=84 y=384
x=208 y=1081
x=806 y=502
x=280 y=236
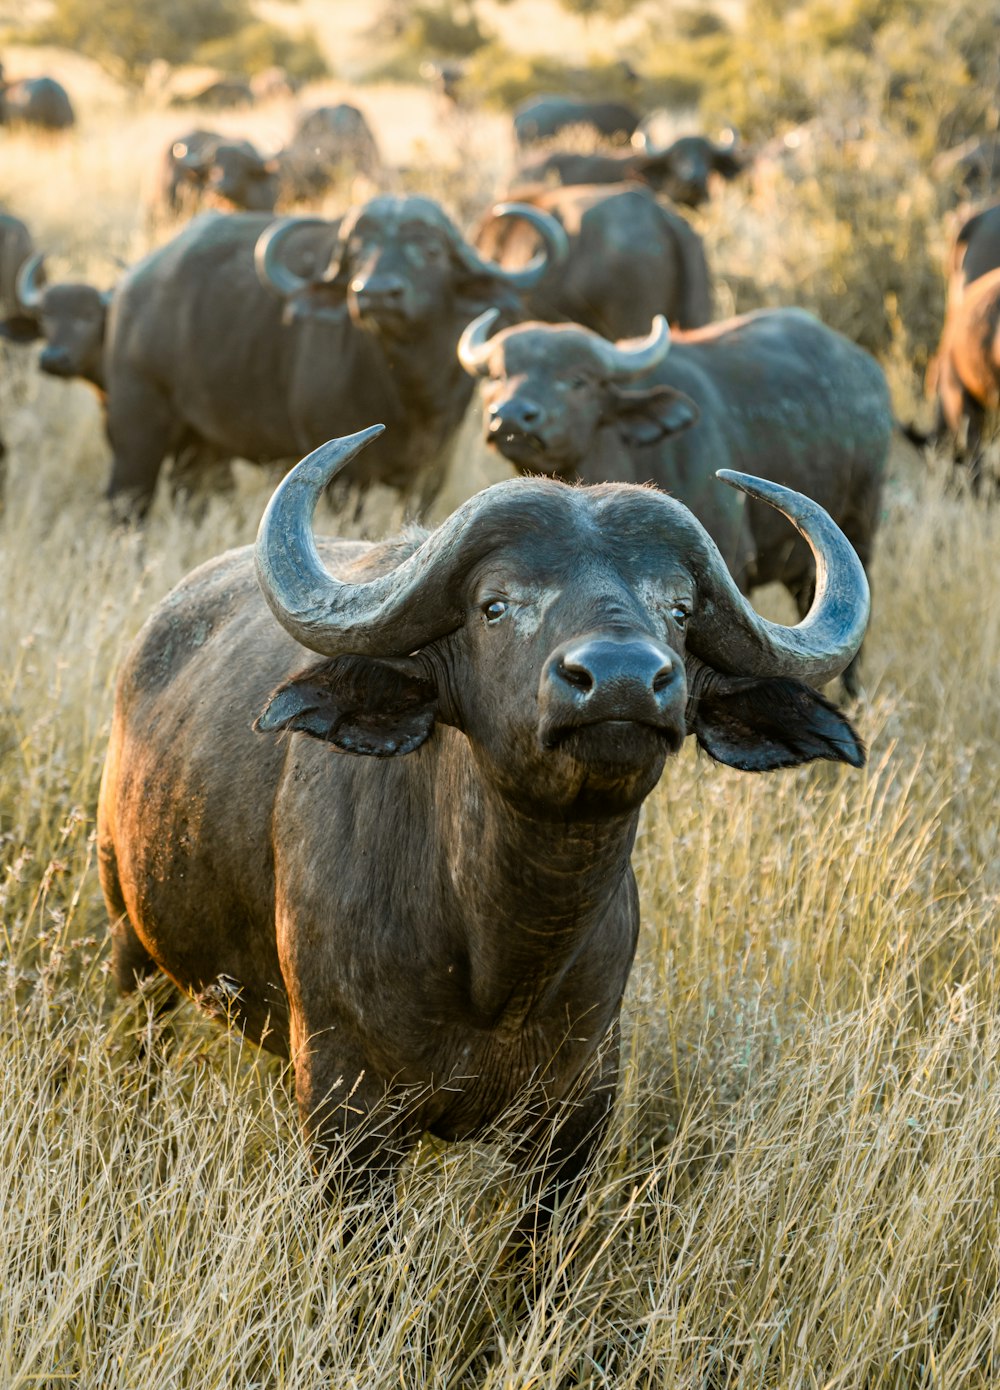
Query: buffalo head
x=227 y=173
x=682 y=169
x=70 y=317
x=574 y=635
x=549 y=388
x=399 y=263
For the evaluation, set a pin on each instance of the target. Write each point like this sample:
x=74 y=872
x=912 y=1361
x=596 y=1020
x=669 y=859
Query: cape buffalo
x=198 y=349
x=16 y=246
x=36 y=101
x=775 y=392
x=71 y=317
x=404 y=862
x=540 y=118
x=330 y=144
x=629 y=257
x=205 y=167
x=965 y=375
x=681 y=172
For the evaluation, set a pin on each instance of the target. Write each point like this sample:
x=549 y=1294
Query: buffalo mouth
x=530 y=452
x=617 y=744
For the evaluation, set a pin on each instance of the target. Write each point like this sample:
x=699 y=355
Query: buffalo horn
x=272 y=272
x=632 y=357
x=731 y=636
x=29 y=287
x=474 y=347
x=391 y=615
x=555 y=248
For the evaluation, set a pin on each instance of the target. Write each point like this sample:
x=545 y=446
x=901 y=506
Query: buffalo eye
x=495 y=609
x=679 y=614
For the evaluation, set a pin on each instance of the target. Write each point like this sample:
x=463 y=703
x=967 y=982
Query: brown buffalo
x=376 y=804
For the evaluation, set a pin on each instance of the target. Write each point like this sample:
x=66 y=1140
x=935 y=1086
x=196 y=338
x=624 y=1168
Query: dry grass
x=801 y=1184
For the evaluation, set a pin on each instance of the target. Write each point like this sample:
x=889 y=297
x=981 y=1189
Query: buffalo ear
x=359 y=704
x=645 y=415
x=726 y=163
x=758 y=725
x=21 y=328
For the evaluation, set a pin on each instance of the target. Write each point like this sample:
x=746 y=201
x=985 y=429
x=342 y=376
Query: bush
x=500 y=77
x=260 y=46
x=125 y=36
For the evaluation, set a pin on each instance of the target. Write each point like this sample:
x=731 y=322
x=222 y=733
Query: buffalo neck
x=535 y=898
x=426 y=370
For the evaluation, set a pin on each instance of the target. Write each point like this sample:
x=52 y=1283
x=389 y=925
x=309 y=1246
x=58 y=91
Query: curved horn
x=729 y=634
x=555 y=248
x=29 y=287
x=474 y=346
x=272 y=272
x=632 y=357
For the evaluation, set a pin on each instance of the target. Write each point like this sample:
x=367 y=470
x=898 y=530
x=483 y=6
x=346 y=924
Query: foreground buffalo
x=205 y=167
x=200 y=350
x=41 y=102
x=628 y=259
x=540 y=118
x=774 y=392
x=682 y=171
x=444 y=922
x=71 y=317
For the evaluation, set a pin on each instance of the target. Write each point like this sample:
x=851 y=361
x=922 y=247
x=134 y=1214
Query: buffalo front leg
x=142 y=429
x=360 y=1127
x=560 y=1151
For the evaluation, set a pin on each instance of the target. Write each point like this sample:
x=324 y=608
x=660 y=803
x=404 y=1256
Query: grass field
x=802 y=1183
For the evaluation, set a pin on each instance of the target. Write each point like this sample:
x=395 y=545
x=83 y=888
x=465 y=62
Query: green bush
x=125 y=36
x=500 y=77
x=260 y=46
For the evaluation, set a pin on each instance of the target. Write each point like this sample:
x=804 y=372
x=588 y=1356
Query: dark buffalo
x=629 y=257
x=205 y=167
x=681 y=172
x=775 y=392
x=977 y=249
x=71 y=317
x=36 y=101
x=16 y=246
x=411 y=874
x=220 y=94
x=198 y=349
x=540 y=118
x=330 y=145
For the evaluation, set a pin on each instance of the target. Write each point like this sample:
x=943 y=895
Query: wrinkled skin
x=440 y=918
x=72 y=319
x=682 y=172
x=206 y=168
x=36 y=101
x=774 y=393
x=198 y=348
x=629 y=258
x=539 y=118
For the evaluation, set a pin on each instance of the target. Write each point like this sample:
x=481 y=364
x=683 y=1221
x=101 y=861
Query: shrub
x=259 y=46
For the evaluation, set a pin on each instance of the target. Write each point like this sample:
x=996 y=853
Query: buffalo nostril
x=577 y=676
x=663 y=677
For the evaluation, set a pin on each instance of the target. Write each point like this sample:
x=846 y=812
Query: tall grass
x=800 y=1185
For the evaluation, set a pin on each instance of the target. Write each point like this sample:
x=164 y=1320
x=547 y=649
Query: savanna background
x=802 y=1182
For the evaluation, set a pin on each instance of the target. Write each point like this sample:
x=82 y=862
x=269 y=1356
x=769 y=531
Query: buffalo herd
x=374 y=802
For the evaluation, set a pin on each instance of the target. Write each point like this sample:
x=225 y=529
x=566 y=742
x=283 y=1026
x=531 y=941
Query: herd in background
x=252 y=336
x=451 y=929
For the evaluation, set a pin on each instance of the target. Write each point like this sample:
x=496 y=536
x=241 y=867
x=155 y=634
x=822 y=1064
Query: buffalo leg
x=351 y=1115
x=561 y=1152
x=142 y=429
